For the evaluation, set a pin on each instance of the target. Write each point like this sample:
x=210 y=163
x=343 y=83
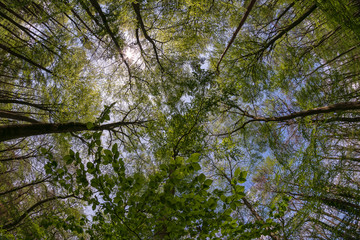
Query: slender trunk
x=24 y=186
x=251 y=5
x=28 y=32
x=17 y=158
x=16 y=116
x=32 y=208
x=86 y=26
x=7 y=49
x=35 y=105
x=97 y=7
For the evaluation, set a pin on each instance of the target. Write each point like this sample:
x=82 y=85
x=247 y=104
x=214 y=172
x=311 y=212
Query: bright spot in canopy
x=131 y=54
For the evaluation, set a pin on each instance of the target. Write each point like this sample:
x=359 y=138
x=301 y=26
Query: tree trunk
x=9 y=132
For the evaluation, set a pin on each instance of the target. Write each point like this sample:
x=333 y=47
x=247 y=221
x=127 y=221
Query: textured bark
x=8 y=132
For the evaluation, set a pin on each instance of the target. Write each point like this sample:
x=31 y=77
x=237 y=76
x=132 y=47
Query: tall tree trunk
x=8 y=132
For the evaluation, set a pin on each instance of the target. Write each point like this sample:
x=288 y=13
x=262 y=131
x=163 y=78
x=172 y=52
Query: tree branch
x=97 y=7
x=251 y=4
x=16 y=116
x=28 y=211
x=24 y=58
x=9 y=132
x=136 y=7
x=24 y=186
x=344 y=106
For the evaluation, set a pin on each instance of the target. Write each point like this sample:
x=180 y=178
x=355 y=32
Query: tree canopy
x=179 y=119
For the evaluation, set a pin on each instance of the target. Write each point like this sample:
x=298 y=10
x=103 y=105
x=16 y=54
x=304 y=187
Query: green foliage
x=174 y=201
x=207 y=132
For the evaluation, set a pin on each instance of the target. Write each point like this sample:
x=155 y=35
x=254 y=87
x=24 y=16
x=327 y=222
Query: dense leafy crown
x=179 y=119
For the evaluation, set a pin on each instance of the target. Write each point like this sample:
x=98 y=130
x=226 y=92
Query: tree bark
x=9 y=132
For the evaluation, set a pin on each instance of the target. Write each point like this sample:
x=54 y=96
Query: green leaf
x=243 y=175
x=90 y=165
x=108 y=152
x=71 y=153
x=208 y=182
x=202 y=178
x=68 y=159
x=239 y=188
x=163 y=167
x=194 y=158
x=114 y=148
x=237 y=172
x=196 y=166
x=179 y=160
x=43 y=150
x=94 y=182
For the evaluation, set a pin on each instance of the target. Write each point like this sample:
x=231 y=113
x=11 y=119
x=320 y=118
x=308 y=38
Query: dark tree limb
x=333 y=59
x=23 y=20
x=288 y=28
x=86 y=26
x=251 y=5
x=9 y=132
x=97 y=7
x=24 y=186
x=35 y=105
x=16 y=116
x=28 y=31
x=344 y=106
x=32 y=208
x=136 y=7
x=18 y=157
x=7 y=49
x=269 y=43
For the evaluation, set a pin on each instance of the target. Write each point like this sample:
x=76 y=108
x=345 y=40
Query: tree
x=246 y=112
